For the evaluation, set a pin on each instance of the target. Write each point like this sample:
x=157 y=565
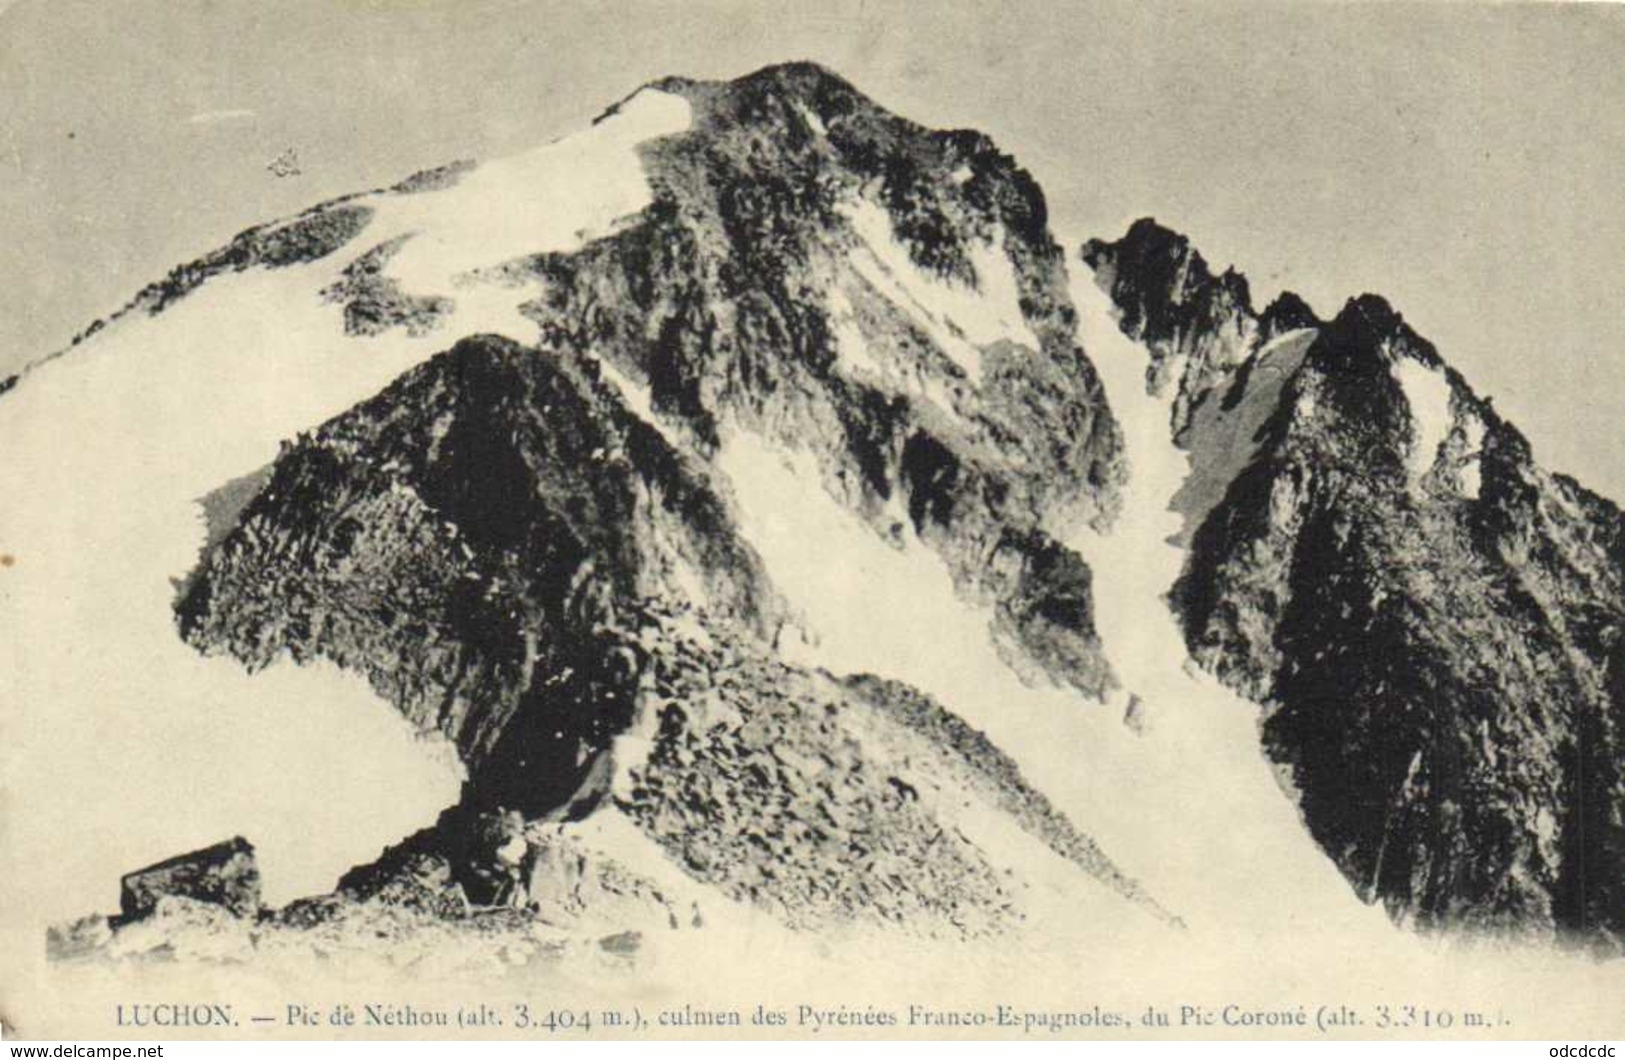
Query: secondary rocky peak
x=1288 y=312
x=1199 y=328
x=1170 y=274
x=1370 y=323
x=1429 y=619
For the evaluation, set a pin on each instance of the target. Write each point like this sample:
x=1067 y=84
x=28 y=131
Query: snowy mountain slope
x=108 y=449
x=493 y=538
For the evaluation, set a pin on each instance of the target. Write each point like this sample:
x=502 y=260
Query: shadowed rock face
x=472 y=540
x=1431 y=620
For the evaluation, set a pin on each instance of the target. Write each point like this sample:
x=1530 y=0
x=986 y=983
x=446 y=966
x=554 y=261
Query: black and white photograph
x=544 y=520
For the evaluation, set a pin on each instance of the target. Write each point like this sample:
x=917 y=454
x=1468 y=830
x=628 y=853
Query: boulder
x=224 y=874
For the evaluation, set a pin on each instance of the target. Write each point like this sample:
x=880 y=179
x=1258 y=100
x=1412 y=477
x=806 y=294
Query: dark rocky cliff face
x=1430 y=620
x=473 y=540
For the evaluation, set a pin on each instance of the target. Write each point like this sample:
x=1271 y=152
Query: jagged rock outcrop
x=471 y=540
x=1431 y=620
x=1197 y=327
x=225 y=874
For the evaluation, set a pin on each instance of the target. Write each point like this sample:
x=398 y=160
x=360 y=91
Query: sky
x=1466 y=161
